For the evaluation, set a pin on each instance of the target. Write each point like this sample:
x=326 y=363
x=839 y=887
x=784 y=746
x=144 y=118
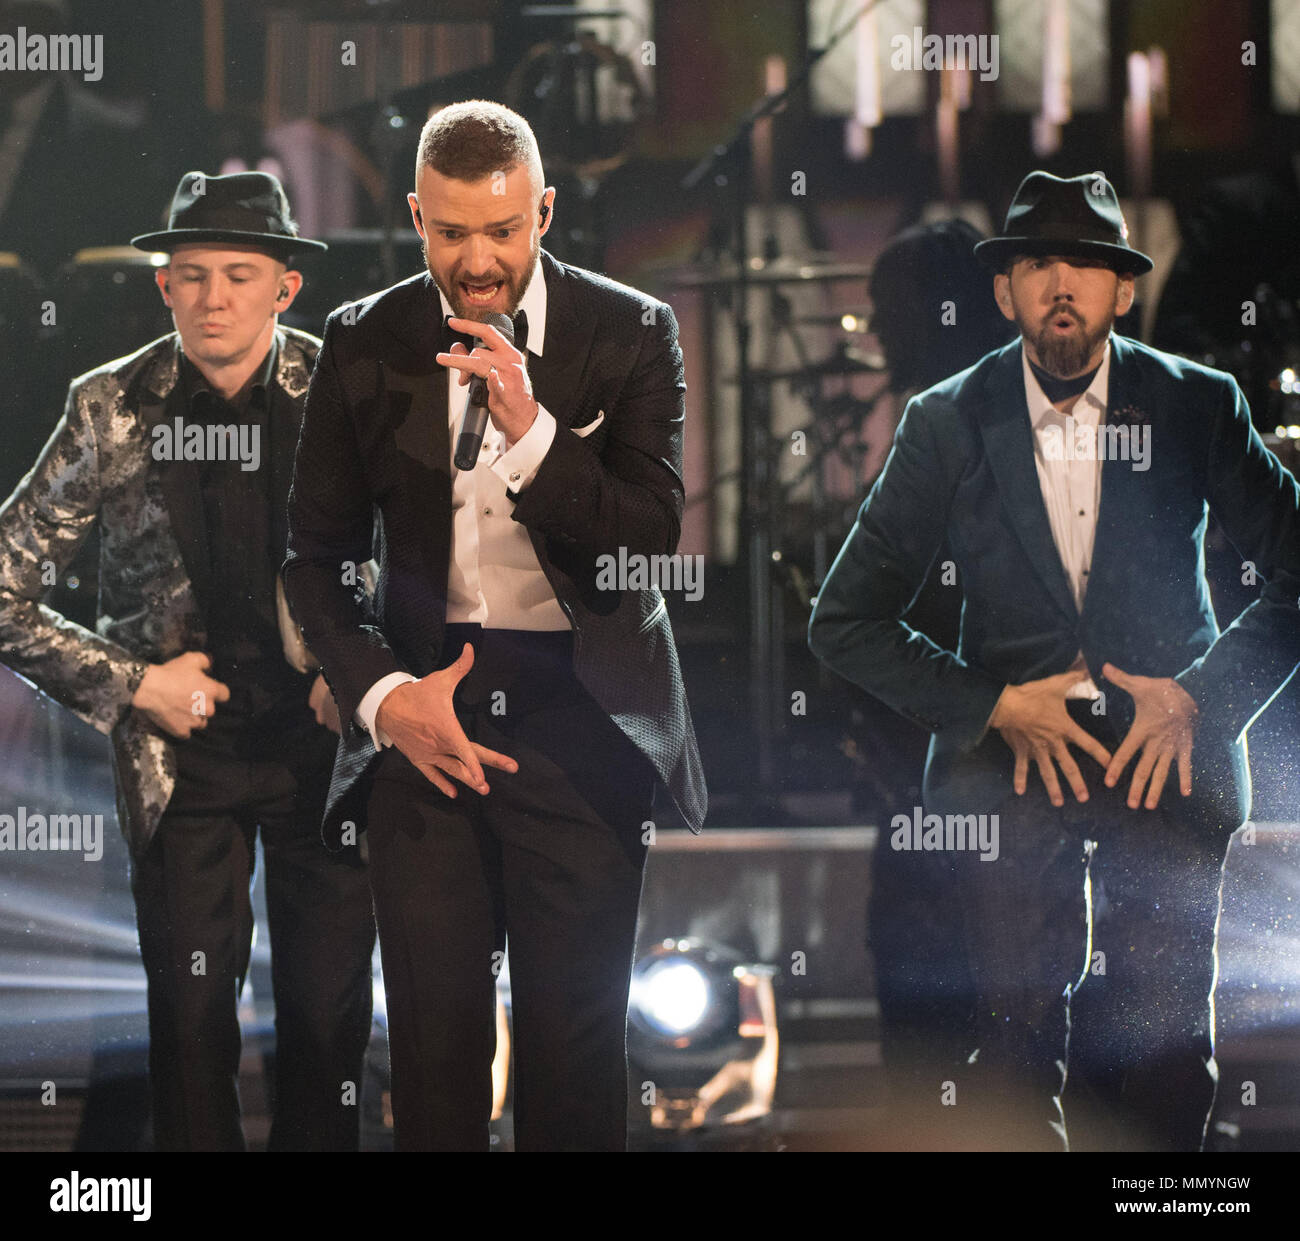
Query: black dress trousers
x=194 y=913
x=552 y=857
x=1092 y=941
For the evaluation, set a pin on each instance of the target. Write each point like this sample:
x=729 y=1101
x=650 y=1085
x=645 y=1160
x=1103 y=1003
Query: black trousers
x=552 y=857
x=923 y=983
x=195 y=917
x=1092 y=941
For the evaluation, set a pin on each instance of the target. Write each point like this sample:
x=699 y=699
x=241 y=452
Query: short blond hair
x=470 y=141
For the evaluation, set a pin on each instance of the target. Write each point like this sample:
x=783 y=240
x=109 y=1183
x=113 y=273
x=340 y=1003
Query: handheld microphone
x=474 y=424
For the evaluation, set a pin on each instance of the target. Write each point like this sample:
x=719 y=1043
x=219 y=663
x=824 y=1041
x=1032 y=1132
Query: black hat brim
x=996 y=252
x=272 y=242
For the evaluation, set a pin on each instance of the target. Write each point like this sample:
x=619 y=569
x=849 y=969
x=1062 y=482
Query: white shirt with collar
x=1070 y=480
x=494 y=578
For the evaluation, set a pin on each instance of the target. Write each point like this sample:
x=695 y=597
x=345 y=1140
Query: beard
x=514 y=285
x=1064 y=356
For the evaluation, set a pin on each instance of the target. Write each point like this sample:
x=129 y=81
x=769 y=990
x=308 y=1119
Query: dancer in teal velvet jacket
x=1093 y=702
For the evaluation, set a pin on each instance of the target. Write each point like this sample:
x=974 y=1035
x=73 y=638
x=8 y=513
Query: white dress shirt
x=1071 y=488
x=494 y=578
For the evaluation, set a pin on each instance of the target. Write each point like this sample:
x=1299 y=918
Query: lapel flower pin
x=1129 y=416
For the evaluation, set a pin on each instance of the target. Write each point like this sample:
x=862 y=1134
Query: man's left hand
x=510 y=392
x=322 y=703
x=1163 y=727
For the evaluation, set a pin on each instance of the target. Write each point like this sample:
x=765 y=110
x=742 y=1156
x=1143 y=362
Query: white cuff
x=368 y=707
x=518 y=465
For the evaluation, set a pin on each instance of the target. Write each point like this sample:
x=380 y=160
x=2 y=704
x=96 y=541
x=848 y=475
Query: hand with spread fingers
x=421 y=721
x=511 y=404
x=1163 y=729
x=1034 y=722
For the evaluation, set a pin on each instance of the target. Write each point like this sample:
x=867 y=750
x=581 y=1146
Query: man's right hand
x=1034 y=722
x=179 y=696
x=421 y=721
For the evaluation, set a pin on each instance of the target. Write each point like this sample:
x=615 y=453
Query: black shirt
x=243 y=632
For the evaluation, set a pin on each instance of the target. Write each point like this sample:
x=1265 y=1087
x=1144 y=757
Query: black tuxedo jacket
x=373 y=476
x=962 y=466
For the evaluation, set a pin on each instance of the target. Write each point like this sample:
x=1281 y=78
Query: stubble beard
x=515 y=285
x=1065 y=356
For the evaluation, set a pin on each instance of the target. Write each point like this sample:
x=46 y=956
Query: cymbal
x=785 y=270
x=842 y=362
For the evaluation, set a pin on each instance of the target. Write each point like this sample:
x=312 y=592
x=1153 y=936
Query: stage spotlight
x=702 y=1037
x=672 y=996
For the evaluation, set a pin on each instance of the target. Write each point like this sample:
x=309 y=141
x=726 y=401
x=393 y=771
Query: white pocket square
x=591 y=426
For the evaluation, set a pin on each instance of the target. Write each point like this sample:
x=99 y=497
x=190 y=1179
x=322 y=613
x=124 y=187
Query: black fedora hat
x=241 y=208
x=1075 y=216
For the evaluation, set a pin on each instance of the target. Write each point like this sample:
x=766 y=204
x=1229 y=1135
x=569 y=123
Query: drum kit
x=790 y=523
x=842 y=414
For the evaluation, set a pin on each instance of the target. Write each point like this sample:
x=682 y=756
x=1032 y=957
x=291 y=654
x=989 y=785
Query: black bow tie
x=521 y=333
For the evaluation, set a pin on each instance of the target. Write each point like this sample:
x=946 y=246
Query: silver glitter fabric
x=98 y=467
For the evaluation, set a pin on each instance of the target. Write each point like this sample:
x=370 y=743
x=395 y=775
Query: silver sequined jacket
x=98 y=466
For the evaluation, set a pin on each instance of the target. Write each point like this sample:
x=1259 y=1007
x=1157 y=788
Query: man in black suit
x=1071 y=473
x=495 y=641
